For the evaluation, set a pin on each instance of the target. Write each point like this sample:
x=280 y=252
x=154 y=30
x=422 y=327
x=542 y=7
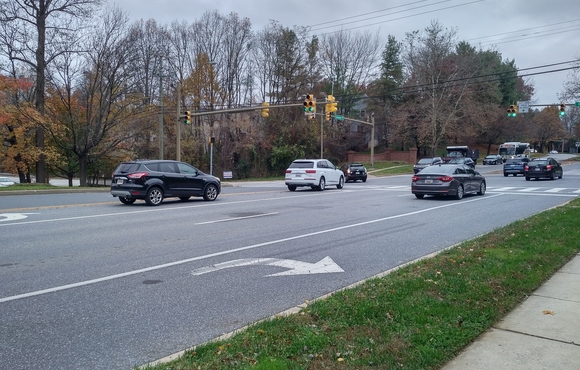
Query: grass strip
x=417 y=317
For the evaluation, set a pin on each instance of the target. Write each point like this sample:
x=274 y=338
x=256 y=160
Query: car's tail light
x=137 y=175
x=415 y=178
x=527 y=168
x=310 y=171
x=288 y=171
x=445 y=178
x=549 y=167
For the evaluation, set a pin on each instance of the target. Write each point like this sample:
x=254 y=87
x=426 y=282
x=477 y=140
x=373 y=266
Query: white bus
x=514 y=149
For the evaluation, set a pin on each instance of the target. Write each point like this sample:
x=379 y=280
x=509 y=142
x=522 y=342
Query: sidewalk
x=542 y=333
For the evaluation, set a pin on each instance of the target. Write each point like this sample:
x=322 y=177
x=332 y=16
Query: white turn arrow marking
x=14 y=216
x=324 y=266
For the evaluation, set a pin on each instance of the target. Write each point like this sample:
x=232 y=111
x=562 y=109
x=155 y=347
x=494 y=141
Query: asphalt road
x=88 y=282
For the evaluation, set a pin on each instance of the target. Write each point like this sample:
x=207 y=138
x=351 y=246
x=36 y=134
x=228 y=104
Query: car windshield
x=490 y=156
x=438 y=169
x=424 y=161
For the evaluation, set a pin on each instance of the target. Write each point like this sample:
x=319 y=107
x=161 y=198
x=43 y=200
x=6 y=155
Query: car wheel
x=183 y=199
x=482 y=188
x=154 y=196
x=340 y=183
x=364 y=180
x=127 y=200
x=419 y=196
x=292 y=187
x=210 y=193
x=505 y=174
x=322 y=184
x=527 y=178
x=562 y=174
x=551 y=175
x=460 y=192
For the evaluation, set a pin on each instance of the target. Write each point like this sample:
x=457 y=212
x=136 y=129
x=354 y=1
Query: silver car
x=314 y=173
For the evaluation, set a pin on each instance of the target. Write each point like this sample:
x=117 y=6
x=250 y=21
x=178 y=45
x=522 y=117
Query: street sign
x=578 y=103
x=577 y=144
x=523 y=106
x=339 y=117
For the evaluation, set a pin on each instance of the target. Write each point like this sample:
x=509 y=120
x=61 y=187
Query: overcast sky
x=532 y=32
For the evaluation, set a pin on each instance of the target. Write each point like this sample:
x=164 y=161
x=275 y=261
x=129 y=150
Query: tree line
x=83 y=88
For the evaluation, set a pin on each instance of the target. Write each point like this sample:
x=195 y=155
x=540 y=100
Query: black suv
x=354 y=171
x=154 y=180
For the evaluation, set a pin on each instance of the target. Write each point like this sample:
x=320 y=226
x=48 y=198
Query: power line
x=378 y=16
x=405 y=17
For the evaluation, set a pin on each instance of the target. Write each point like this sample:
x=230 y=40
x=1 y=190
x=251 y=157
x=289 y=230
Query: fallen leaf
x=548 y=312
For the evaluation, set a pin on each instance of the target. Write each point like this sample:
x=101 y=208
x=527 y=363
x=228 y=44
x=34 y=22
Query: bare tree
x=437 y=81
x=92 y=110
x=40 y=31
x=350 y=60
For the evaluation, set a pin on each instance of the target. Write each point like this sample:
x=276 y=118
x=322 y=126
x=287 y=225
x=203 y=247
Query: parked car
x=515 y=166
x=5 y=181
x=546 y=167
x=354 y=172
x=448 y=179
x=154 y=180
x=462 y=160
x=553 y=152
x=424 y=162
x=315 y=173
x=493 y=159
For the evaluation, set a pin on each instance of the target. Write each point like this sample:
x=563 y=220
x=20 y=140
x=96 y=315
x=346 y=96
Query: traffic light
x=333 y=104
x=265 y=111
x=512 y=111
x=330 y=106
x=309 y=106
x=187 y=117
x=562 y=109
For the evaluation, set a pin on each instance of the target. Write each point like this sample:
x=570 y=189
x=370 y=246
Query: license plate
x=119 y=181
x=428 y=181
x=538 y=169
x=298 y=175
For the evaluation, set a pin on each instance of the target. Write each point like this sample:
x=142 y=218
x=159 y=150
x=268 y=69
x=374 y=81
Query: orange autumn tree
x=18 y=152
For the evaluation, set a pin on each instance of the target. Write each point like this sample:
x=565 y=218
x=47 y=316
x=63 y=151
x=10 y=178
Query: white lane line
x=235 y=218
x=555 y=190
x=230 y=251
x=164 y=209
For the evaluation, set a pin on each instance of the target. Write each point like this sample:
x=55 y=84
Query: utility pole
x=160 y=75
x=178 y=122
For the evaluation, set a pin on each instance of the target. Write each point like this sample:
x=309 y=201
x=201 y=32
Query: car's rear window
x=438 y=169
x=358 y=165
x=513 y=160
x=541 y=163
x=302 y=164
x=425 y=161
x=128 y=167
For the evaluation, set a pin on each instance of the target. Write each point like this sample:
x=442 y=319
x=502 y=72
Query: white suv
x=316 y=173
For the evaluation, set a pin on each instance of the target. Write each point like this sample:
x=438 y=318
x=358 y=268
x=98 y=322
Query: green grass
x=417 y=317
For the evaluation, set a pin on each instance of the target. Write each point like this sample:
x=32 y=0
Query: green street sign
x=578 y=103
x=339 y=117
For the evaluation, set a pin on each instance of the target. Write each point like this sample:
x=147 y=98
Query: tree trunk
x=40 y=86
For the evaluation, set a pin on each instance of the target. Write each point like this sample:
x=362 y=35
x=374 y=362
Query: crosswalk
x=490 y=189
